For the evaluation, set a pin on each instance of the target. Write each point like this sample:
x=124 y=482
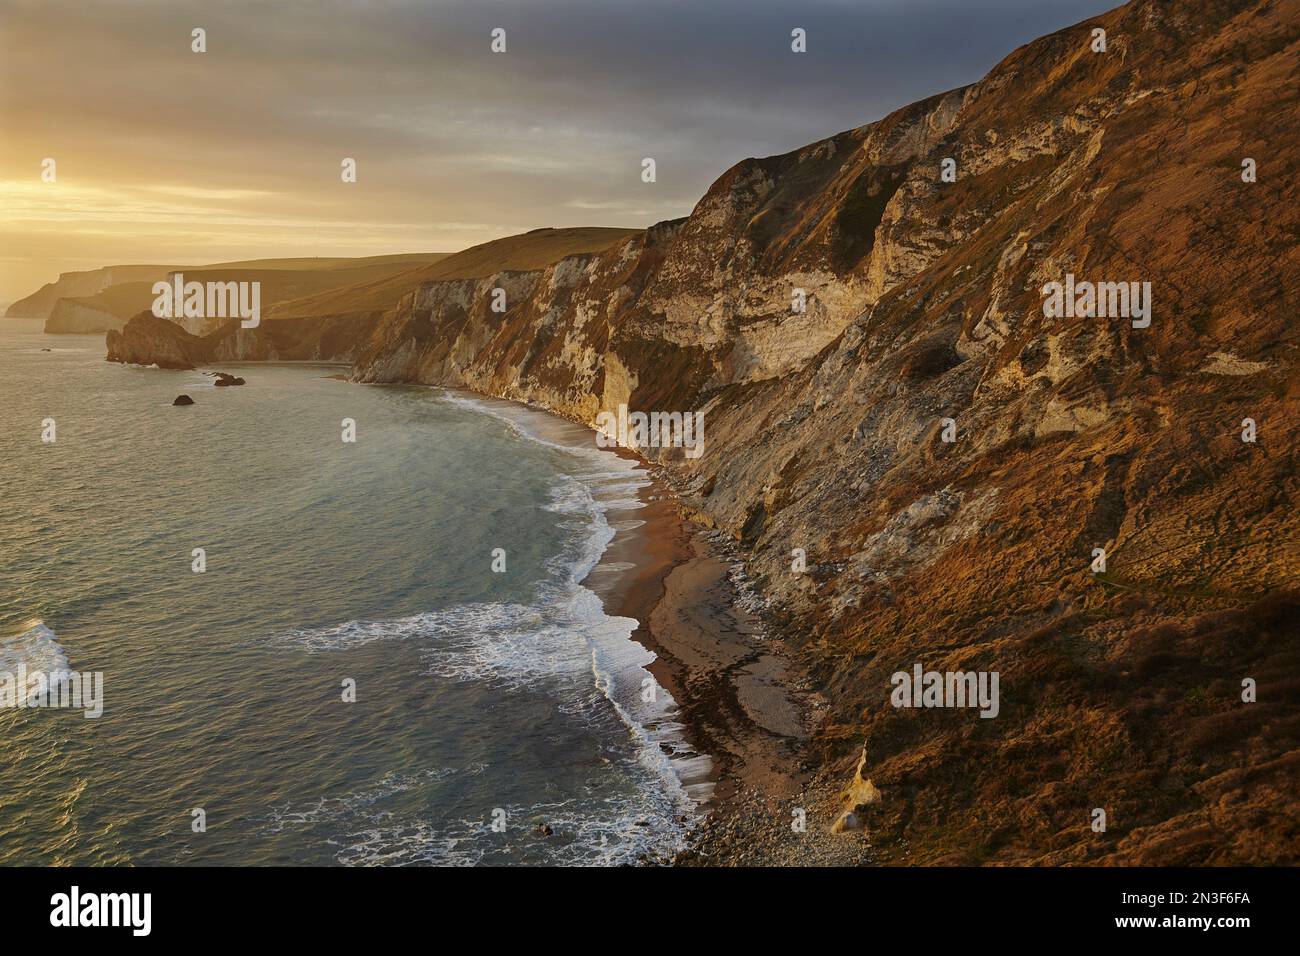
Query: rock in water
x=225 y=378
x=183 y=400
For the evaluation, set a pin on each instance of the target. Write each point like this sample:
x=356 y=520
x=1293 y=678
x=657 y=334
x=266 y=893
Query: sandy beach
x=742 y=697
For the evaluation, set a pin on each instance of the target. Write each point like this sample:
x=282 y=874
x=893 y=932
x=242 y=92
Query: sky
x=164 y=155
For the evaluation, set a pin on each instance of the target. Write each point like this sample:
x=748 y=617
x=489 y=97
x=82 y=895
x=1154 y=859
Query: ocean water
x=480 y=696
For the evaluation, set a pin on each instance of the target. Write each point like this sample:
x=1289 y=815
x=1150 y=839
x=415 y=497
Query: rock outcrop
x=858 y=799
x=149 y=340
x=883 y=390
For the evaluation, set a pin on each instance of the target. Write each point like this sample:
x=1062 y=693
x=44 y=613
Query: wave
x=37 y=648
x=562 y=637
x=566 y=634
x=617 y=833
x=373 y=838
x=614 y=479
x=368 y=831
x=337 y=808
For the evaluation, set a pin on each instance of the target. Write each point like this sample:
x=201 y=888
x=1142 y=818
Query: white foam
x=411 y=844
x=37 y=648
x=565 y=635
x=338 y=808
x=375 y=839
x=616 y=833
x=614 y=479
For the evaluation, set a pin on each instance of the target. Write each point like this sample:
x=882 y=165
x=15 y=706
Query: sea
x=388 y=651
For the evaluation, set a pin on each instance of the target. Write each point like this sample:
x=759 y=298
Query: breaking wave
x=37 y=648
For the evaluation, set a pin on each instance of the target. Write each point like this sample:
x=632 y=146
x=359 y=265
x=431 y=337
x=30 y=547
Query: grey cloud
x=550 y=133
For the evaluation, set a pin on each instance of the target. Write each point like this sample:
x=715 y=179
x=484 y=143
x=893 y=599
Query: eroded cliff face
x=713 y=293
x=825 y=430
x=1121 y=690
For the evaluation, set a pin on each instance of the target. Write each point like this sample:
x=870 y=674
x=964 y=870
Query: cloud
x=198 y=192
x=443 y=130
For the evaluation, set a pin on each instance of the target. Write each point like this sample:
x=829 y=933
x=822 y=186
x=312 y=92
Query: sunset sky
x=168 y=156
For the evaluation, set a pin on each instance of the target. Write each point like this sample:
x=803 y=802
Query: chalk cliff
x=74 y=316
x=41 y=304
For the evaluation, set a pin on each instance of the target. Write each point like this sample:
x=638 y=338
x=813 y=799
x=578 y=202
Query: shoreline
x=742 y=701
x=741 y=695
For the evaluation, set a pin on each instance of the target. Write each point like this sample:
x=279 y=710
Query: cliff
x=336 y=324
x=532 y=250
x=826 y=429
x=149 y=340
x=80 y=316
x=74 y=285
x=104 y=299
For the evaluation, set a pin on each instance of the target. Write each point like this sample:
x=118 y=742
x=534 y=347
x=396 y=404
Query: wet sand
x=740 y=697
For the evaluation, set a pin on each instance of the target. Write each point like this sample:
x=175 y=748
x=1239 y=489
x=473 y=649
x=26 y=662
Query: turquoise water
x=476 y=691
